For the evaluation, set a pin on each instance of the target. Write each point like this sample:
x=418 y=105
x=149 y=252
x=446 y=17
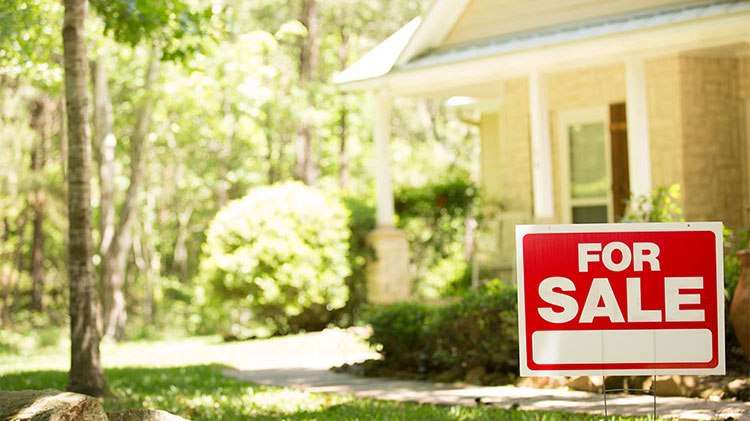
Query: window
x=585 y=176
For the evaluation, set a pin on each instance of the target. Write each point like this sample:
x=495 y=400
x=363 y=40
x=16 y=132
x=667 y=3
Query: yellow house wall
x=713 y=132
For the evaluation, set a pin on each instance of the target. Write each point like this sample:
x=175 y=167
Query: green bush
x=361 y=223
x=479 y=330
x=401 y=333
x=434 y=219
x=275 y=261
x=660 y=205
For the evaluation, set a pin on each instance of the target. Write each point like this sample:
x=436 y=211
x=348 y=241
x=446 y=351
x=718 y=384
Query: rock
x=143 y=415
x=541 y=382
x=665 y=385
x=711 y=392
x=615 y=384
x=738 y=384
x=584 y=384
x=739 y=389
x=739 y=310
x=49 y=405
x=636 y=382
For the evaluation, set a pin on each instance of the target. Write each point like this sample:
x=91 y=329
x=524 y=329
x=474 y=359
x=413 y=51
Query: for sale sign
x=620 y=299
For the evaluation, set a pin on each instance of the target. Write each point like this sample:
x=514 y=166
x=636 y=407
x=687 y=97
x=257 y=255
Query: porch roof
x=365 y=74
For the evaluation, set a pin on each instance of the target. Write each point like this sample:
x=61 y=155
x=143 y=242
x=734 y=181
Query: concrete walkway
x=302 y=362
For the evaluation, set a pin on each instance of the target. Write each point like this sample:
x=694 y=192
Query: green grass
x=184 y=377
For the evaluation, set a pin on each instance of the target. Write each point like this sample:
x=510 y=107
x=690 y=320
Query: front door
x=585 y=159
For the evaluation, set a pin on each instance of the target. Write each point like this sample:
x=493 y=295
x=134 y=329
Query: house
x=582 y=102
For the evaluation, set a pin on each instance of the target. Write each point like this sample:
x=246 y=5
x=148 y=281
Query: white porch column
x=541 y=149
x=636 y=108
x=388 y=275
x=383 y=184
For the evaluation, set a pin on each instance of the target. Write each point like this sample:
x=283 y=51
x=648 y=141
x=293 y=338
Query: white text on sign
x=552 y=289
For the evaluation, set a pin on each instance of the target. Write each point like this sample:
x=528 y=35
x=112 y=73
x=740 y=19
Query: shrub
x=401 y=333
x=275 y=261
x=434 y=219
x=479 y=330
x=660 y=205
x=361 y=223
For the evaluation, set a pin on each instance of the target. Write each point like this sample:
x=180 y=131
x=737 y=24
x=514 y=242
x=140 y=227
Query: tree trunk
x=63 y=134
x=13 y=267
x=343 y=57
x=308 y=62
x=19 y=255
x=40 y=122
x=5 y=274
x=86 y=374
x=115 y=259
x=180 y=260
x=104 y=151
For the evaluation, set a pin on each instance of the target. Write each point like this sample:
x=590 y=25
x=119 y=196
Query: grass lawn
x=183 y=377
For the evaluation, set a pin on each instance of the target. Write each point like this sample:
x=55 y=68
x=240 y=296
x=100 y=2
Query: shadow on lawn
x=201 y=392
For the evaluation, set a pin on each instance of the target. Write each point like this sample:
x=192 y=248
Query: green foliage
x=31 y=41
x=275 y=260
x=660 y=205
x=434 y=219
x=733 y=242
x=168 y=23
x=361 y=223
x=479 y=330
x=32 y=331
x=402 y=332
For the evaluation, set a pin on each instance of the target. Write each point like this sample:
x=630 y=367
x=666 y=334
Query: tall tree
x=86 y=375
x=343 y=61
x=114 y=260
x=40 y=121
x=104 y=152
x=308 y=61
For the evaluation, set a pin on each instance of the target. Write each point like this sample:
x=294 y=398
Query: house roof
x=420 y=34
x=381 y=59
x=405 y=51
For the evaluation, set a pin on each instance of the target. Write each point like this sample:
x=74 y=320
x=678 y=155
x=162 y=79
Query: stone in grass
x=143 y=415
x=49 y=405
x=585 y=384
x=665 y=385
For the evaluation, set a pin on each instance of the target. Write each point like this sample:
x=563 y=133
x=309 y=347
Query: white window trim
x=576 y=116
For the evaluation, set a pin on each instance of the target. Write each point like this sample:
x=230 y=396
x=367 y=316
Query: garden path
x=303 y=362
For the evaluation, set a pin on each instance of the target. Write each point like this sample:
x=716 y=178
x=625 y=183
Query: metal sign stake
x=651 y=392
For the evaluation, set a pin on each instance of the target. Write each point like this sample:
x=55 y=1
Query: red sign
x=620 y=299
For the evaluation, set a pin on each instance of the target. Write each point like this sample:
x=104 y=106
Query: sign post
x=620 y=299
